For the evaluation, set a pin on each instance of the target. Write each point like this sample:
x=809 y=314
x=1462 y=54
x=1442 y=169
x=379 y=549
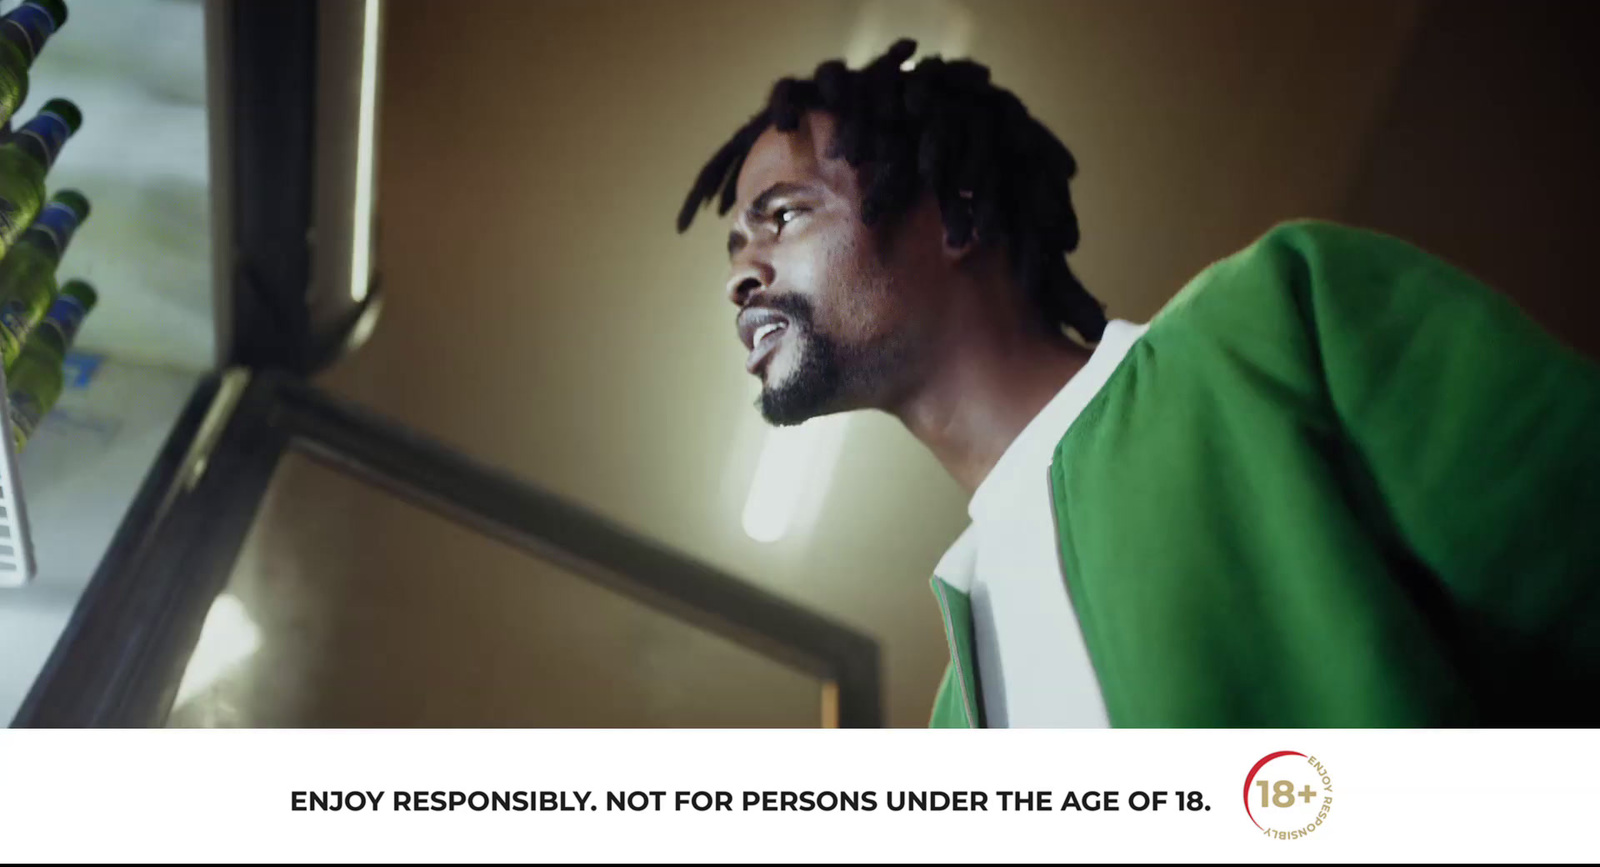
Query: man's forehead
x=787 y=157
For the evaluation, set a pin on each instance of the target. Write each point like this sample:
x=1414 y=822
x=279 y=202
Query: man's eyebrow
x=758 y=209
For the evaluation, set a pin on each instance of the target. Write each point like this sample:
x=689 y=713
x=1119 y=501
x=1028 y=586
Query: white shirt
x=1032 y=663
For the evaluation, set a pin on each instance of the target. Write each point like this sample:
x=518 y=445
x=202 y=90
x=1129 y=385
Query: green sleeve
x=1479 y=430
x=949 y=708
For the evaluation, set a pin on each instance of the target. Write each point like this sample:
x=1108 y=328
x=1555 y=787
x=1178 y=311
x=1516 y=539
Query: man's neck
x=982 y=396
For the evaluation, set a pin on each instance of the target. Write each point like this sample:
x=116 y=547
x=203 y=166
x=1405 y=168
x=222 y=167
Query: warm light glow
x=793 y=471
x=361 y=239
x=228 y=638
x=942 y=27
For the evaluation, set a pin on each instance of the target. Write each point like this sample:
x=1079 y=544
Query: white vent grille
x=16 y=547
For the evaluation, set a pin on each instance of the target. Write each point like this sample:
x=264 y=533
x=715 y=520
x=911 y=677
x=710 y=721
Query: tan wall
x=1486 y=154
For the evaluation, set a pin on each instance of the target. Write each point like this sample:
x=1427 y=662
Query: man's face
x=828 y=305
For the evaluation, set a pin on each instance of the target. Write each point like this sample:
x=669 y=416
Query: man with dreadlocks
x=1334 y=482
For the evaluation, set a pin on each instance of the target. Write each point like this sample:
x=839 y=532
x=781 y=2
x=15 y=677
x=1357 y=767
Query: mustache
x=797 y=307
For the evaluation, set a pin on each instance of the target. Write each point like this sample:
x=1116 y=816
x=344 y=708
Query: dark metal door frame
x=123 y=654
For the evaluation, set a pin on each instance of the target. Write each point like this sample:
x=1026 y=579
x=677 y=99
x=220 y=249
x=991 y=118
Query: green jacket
x=1337 y=483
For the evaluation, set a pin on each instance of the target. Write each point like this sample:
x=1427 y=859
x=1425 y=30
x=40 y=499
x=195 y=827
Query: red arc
x=1251 y=778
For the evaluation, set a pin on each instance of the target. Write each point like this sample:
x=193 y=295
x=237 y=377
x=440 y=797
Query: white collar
x=1022 y=466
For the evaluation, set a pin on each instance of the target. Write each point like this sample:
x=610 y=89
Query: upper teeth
x=764 y=330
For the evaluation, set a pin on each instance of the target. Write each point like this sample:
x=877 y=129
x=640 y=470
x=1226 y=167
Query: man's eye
x=784 y=216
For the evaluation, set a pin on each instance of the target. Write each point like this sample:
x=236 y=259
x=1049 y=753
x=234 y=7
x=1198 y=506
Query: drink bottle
x=33 y=381
x=28 y=272
x=23 y=32
x=24 y=160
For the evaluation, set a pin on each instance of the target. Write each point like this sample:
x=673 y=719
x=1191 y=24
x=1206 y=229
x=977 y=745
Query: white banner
x=785 y=796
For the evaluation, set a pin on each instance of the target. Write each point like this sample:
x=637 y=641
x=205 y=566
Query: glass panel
x=81 y=470
x=351 y=607
x=136 y=69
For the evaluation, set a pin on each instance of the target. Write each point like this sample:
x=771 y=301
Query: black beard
x=815 y=385
x=830 y=377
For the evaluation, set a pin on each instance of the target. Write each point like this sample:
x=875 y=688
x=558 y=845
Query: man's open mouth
x=762 y=331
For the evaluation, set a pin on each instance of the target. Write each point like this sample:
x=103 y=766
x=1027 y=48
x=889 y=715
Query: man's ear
x=958 y=252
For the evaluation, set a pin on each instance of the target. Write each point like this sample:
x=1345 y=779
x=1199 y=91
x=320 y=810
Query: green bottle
x=24 y=159
x=23 y=32
x=33 y=381
x=28 y=272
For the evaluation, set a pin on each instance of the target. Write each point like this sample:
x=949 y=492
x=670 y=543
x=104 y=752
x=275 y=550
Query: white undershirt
x=1032 y=664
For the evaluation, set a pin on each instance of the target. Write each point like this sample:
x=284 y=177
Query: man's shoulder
x=1249 y=294
x=1263 y=272
x=1236 y=328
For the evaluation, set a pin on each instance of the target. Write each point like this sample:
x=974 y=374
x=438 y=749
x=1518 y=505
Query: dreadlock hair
x=997 y=173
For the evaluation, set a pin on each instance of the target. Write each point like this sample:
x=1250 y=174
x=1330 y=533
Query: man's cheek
x=862 y=313
x=797 y=271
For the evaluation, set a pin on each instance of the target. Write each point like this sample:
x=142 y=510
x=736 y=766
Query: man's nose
x=749 y=276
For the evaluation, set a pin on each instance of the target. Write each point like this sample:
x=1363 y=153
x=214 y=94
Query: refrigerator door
x=135 y=386
x=223 y=232
x=143 y=624
x=153 y=484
